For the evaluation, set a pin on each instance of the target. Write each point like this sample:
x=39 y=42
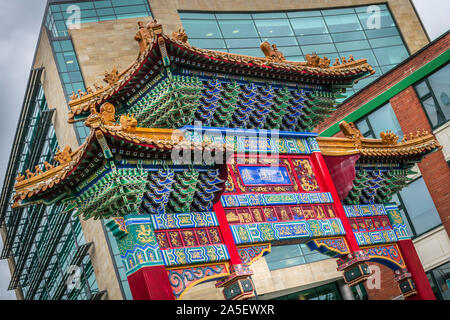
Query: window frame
x=402 y=206
x=433 y=96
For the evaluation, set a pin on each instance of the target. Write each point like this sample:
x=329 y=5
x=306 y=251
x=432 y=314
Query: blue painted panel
x=264 y=175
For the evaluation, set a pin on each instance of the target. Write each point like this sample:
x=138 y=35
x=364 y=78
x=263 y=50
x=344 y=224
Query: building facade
x=71 y=59
x=414 y=94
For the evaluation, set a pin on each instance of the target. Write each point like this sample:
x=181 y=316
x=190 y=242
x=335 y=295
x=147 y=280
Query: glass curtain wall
x=359 y=31
x=43 y=240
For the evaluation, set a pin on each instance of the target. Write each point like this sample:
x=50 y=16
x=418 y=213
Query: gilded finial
x=48 y=166
x=111 y=77
x=20 y=177
x=388 y=138
x=271 y=52
x=63 y=156
x=180 y=35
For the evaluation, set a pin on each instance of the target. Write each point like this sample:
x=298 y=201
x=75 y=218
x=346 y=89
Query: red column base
x=414 y=266
x=150 y=283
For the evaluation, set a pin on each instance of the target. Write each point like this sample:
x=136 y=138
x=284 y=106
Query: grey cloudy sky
x=20 y=21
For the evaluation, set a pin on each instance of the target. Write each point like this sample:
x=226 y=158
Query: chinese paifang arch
x=181 y=224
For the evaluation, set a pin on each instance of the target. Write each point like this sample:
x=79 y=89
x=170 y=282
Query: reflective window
x=382 y=119
x=440 y=280
x=333 y=33
x=292 y=255
x=434 y=93
x=325 y=292
x=417 y=208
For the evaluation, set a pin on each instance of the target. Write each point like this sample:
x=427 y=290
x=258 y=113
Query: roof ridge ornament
x=271 y=52
x=180 y=35
x=350 y=130
x=128 y=123
x=389 y=138
x=313 y=60
x=106 y=116
x=63 y=156
x=111 y=77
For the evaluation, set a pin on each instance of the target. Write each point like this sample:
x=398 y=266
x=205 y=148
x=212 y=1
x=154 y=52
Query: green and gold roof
x=172 y=84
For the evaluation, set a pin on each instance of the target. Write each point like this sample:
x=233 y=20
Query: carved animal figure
x=143 y=37
x=111 y=77
x=38 y=170
x=48 y=166
x=180 y=35
x=350 y=130
x=74 y=96
x=63 y=156
x=108 y=114
x=29 y=174
x=324 y=62
x=97 y=86
x=312 y=60
x=272 y=52
x=128 y=123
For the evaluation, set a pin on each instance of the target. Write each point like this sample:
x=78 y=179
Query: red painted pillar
x=150 y=283
x=228 y=239
x=326 y=181
x=414 y=266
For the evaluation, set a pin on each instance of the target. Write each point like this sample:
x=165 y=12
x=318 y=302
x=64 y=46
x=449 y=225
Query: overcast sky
x=20 y=21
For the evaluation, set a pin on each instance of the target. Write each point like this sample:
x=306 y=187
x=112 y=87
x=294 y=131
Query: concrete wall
x=100 y=46
x=271 y=284
x=433 y=248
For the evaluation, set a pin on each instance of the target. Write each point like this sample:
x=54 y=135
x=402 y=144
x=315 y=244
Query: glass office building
x=49 y=250
x=365 y=32
x=43 y=241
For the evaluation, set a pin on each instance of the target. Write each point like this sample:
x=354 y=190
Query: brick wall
x=434 y=168
x=388 y=287
x=411 y=117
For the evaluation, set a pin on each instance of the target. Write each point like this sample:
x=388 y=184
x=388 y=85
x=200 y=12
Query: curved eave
x=377 y=149
x=88 y=157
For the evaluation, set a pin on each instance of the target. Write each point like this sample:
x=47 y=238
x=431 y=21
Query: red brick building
x=413 y=95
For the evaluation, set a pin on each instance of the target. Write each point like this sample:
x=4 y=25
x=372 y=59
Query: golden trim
x=268 y=249
x=194 y=283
